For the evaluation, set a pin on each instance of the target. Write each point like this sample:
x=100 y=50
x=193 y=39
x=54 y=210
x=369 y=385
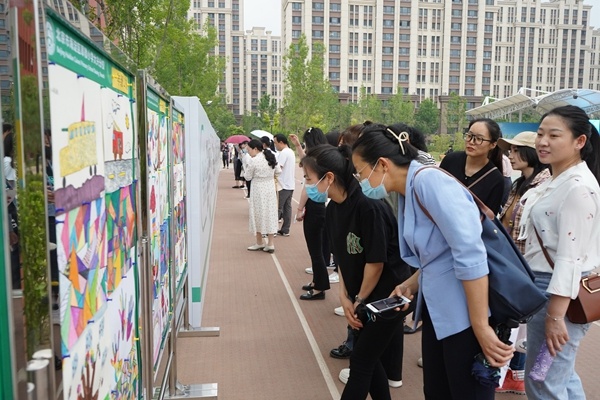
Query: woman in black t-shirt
x=363 y=234
x=479 y=167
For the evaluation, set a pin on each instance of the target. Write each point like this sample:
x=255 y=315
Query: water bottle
x=542 y=364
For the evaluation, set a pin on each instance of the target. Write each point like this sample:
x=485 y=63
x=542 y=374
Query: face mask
x=313 y=192
x=376 y=193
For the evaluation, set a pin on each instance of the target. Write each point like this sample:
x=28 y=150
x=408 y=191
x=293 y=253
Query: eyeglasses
x=357 y=173
x=469 y=137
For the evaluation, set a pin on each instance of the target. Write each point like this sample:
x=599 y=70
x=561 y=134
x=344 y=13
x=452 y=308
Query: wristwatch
x=358 y=299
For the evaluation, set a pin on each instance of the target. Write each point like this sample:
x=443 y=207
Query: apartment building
x=252 y=58
x=431 y=48
x=262 y=69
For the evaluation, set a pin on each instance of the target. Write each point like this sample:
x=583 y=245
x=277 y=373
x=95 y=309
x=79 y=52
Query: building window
x=296 y=6
x=318 y=6
x=335 y=20
x=296 y=20
x=335 y=7
x=318 y=20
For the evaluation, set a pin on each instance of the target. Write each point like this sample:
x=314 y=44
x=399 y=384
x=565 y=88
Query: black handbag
x=513 y=297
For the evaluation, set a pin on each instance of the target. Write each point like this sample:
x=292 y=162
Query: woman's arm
x=496 y=352
x=299 y=149
x=301 y=205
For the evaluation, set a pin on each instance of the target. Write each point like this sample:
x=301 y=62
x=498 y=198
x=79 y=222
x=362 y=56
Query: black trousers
x=367 y=374
x=447 y=365
x=314 y=235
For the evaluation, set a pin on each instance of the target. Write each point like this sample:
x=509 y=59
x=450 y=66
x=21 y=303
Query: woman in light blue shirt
x=452 y=281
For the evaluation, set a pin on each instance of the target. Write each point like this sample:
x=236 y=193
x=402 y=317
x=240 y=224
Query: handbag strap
x=481 y=177
x=482 y=207
x=548 y=258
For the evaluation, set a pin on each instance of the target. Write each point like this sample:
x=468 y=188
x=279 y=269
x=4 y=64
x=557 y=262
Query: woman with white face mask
x=363 y=235
x=452 y=281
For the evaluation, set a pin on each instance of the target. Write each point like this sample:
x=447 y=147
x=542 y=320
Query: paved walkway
x=274 y=346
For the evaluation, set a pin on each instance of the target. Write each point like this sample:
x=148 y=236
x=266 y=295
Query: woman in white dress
x=262 y=170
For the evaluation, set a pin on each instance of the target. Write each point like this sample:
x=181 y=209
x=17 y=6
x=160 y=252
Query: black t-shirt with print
x=489 y=190
x=362 y=230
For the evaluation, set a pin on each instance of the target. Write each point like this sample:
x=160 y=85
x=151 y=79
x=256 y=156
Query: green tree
x=427 y=117
x=267 y=109
x=221 y=117
x=306 y=92
x=158 y=36
x=400 y=110
x=369 y=108
x=456 y=119
x=251 y=122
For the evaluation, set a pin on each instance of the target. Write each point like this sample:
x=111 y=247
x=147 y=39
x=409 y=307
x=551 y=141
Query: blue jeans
x=562 y=382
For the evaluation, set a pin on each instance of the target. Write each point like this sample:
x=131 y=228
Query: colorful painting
x=93 y=161
x=159 y=219
x=179 y=193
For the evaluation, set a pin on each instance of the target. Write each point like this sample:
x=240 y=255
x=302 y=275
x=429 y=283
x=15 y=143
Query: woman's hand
x=556 y=335
x=295 y=140
x=497 y=353
x=351 y=317
x=402 y=290
x=300 y=214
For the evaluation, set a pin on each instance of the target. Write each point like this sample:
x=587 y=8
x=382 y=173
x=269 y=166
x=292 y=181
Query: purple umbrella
x=237 y=139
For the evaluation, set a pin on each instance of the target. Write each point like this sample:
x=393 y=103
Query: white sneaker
x=339 y=311
x=334 y=277
x=256 y=247
x=420 y=362
x=394 y=384
x=344 y=375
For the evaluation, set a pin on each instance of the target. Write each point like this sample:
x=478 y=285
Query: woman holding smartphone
x=363 y=235
x=452 y=281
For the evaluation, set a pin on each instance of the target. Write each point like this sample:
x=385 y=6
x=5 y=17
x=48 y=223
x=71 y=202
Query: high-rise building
x=431 y=48
x=252 y=58
x=262 y=69
x=227 y=17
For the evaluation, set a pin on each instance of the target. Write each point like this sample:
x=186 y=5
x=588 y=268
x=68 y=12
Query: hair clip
x=403 y=137
x=309 y=130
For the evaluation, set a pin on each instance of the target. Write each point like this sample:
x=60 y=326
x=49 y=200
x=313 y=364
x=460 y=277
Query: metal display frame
x=170 y=387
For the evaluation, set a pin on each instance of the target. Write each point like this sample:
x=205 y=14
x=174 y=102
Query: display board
x=92 y=113
x=178 y=133
x=203 y=162
x=158 y=160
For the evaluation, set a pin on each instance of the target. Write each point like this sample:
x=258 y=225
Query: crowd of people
x=395 y=228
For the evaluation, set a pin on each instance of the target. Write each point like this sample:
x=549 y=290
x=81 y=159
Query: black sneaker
x=341 y=352
x=283 y=234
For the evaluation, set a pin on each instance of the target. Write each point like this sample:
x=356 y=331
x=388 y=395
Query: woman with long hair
x=363 y=235
x=522 y=156
x=560 y=225
x=262 y=170
x=452 y=281
x=479 y=167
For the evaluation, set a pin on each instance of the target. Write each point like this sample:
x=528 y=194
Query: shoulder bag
x=513 y=297
x=586 y=307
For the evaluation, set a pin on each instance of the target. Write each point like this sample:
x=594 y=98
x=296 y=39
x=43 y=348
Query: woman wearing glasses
x=479 y=167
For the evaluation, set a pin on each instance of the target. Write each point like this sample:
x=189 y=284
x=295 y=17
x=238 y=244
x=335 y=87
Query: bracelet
x=358 y=299
x=554 y=318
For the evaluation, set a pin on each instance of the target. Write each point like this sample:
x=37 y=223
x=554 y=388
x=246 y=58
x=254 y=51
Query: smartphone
x=386 y=304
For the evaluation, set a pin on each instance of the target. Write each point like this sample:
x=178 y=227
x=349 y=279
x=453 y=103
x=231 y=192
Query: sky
x=267 y=13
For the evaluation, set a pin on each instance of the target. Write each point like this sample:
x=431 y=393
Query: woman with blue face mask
x=312 y=215
x=363 y=235
x=452 y=281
